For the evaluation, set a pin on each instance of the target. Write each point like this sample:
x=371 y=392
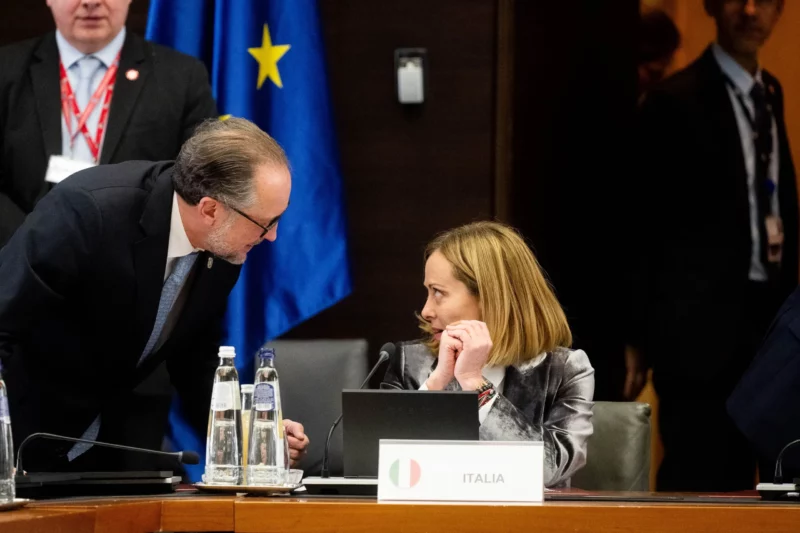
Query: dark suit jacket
x=766 y=403
x=548 y=398
x=694 y=247
x=149 y=119
x=81 y=285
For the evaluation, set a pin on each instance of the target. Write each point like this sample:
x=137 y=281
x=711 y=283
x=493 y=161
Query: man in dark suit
x=719 y=241
x=122 y=267
x=766 y=403
x=156 y=99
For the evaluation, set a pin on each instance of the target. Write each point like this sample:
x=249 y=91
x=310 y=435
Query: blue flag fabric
x=267 y=64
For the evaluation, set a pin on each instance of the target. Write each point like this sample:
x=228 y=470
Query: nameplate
x=487 y=471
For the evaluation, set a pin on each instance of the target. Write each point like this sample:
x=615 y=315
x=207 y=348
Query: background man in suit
x=122 y=267
x=720 y=242
x=156 y=99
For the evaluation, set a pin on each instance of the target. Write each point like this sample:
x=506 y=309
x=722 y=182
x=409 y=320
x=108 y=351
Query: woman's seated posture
x=492 y=324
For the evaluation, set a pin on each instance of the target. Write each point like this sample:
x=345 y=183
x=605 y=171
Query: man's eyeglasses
x=266 y=229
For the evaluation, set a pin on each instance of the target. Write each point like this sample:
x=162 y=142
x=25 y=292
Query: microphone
x=778 y=490
x=387 y=351
x=186 y=457
x=778 y=478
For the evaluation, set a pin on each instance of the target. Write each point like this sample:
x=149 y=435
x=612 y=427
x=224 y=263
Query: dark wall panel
x=574 y=107
x=409 y=171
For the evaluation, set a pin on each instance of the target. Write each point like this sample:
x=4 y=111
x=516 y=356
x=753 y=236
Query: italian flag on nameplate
x=404 y=473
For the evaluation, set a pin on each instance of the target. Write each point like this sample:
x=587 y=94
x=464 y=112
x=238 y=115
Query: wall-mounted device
x=410 y=65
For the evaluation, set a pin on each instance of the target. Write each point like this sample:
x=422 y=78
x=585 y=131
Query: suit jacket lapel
x=47 y=93
x=150 y=255
x=775 y=98
x=198 y=280
x=787 y=188
x=513 y=384
x=204 y=283
x=207 y=268
x=126 y=92
x=715 y=98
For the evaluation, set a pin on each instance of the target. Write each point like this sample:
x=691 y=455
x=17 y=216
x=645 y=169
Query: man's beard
x=217 y=245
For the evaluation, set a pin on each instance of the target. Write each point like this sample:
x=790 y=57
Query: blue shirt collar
x=69 y=54
x=737 y=74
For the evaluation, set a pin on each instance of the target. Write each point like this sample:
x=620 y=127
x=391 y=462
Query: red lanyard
x=69 y=108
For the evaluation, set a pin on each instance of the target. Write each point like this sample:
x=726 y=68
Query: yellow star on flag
x=268 y=57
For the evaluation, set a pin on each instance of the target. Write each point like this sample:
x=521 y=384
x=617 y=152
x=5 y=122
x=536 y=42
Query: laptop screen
x=371 y=415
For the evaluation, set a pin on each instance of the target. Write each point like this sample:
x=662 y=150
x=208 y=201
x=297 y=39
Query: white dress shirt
x=744 y=83
x=69 y=57
x=493 y=374
x=179 y=244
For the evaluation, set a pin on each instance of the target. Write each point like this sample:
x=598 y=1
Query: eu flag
x=266 y=61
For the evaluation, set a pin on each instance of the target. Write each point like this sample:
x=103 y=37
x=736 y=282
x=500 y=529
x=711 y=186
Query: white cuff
x=483 y=412
x=424 y=386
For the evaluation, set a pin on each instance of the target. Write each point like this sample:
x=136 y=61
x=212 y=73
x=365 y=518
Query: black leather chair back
x=312 y=374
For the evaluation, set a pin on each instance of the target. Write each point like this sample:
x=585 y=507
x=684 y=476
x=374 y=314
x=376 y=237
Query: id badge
x=60 y=168
x=774 y=238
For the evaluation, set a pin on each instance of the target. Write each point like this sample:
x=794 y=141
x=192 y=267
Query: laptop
x=39 y=486
x=371 y=415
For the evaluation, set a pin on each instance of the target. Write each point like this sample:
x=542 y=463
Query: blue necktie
x=169 y=293
x=88 y=67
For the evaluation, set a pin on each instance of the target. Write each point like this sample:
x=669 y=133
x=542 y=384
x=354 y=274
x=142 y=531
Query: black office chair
x=312 y=375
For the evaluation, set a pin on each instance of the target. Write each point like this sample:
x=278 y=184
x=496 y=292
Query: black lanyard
x=751 y=120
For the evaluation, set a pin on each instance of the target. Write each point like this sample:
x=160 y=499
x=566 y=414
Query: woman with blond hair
x=492 y=324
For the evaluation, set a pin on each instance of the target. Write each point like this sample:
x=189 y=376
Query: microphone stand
x=325 y=473
x=188 y=457
x=778 y=478
x=386 y=351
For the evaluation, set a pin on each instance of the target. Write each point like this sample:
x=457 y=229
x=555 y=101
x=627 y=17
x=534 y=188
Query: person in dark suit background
x=124 y=266
x=659 y=39
x=719 y=235
x=158 y=98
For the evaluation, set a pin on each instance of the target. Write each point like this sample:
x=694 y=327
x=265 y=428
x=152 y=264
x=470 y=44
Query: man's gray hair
x=218 y=161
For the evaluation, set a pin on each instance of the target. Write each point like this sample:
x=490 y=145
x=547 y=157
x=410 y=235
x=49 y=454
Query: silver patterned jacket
x=548 y=398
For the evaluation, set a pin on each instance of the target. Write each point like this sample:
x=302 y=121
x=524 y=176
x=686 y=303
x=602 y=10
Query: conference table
x=187 y=511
